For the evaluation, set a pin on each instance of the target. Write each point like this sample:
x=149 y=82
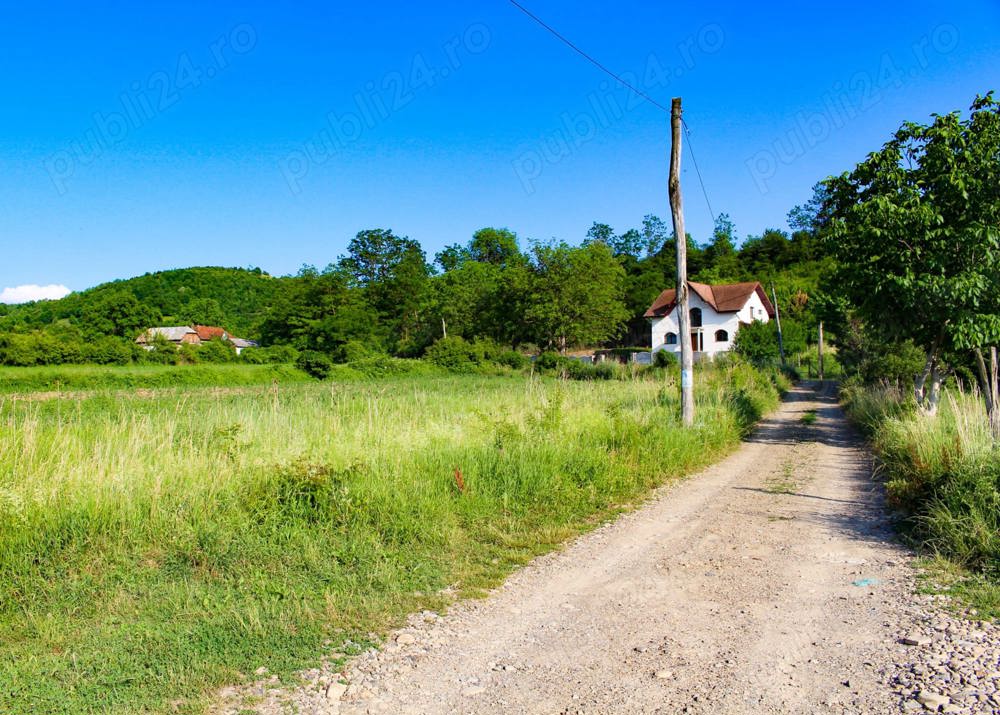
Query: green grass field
x=155 y=548
x=61 y=378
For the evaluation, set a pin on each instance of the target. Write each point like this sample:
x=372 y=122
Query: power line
x=694 y=161
x=590 y=59
x=622 y=82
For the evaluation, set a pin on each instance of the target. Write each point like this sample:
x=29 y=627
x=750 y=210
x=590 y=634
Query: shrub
x=758 y=342
x=163 y=353
x=664 y=359
x=550 y=360
x=41 y=348
x=107 y=351
x=216 y=351
x=456 y=354
x=386 y=366
x=314 y=364
x=188 y=354
x=864 y=353
x=512 y=359
x=354 y=351
x=273 y=355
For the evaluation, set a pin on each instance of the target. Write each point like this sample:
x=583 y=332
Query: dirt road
x=769 y=583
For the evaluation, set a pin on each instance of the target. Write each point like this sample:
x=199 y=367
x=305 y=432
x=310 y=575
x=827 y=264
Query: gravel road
x=769 y=583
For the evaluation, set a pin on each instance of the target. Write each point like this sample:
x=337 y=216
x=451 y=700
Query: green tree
x=451 y=257
x=654 y=234
x=916 y=228
x=576 y=295
x=601 y=232
x=393 y=274
x=628 y=244
x=497 y=246
x=766 y=254
x=320 y=312
x=203 y=311
x=117 y=313
x=720 y=260
x=758 y=342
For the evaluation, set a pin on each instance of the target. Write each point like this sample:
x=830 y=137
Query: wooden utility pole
x=680 y=238
x=777 y=318
x=820 y=363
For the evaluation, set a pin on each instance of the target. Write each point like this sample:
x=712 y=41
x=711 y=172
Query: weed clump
x=942 y=472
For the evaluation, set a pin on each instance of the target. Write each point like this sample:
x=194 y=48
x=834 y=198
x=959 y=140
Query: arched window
x=696 y=317
x=671 y=339
x=721 y=336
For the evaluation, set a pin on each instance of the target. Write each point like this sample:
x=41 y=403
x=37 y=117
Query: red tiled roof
x=728 y=298
x=208 y=332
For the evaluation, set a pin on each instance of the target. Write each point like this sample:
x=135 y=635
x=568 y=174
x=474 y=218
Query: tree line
x=386 y=296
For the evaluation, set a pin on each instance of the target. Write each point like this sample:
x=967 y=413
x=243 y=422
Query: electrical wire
x=694 y=161
x=631 y=88
x=590 y=59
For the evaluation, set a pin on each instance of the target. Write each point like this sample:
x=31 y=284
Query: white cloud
x=24 y=294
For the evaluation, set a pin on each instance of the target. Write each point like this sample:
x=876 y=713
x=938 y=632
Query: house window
x=696 y=317
x=721 y=336
x=671 y=339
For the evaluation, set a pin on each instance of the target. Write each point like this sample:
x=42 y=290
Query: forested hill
x=385 y=296
x=234 y=298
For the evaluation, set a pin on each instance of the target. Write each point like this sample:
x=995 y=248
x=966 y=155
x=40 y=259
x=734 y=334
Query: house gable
x=174 y=334
x=729 y=298
x=209 y=332
x=723 y=309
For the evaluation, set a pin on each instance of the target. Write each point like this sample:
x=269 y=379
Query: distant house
x=240 y=344
x=179 y=335
x=717 y=312
x=193 y=335
x=208 y=332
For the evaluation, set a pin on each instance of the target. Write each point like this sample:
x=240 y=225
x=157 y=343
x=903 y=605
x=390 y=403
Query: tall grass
x=102 y=377
x=943 y=472
x=151 y=550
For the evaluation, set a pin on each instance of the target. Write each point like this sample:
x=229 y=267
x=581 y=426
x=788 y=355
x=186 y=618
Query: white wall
x=754 y=310
x=711 y=322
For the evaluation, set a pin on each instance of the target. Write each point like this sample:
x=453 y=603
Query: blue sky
x=144 y=136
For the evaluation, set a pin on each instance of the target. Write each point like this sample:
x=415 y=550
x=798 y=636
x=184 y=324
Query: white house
x=717 y=312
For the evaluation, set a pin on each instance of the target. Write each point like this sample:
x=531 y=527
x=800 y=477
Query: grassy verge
x=104 y=377
x=153 y=550
x=943 y=476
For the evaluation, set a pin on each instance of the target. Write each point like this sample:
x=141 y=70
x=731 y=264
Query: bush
x=216 y=351
x=273 y=355
x=862 y=352
x=664 y=359
x=512 y=359
x=386 y=366
x=597 y=371
x=456 y=354
x=314 y=364
x=41 y=348
x=758 y=343
x=161 y=355
x=354 y=351
x=108 y=351
x=550 y=360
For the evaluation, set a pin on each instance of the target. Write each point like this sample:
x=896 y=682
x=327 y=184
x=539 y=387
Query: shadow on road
x=830 y=427
x=863 y=517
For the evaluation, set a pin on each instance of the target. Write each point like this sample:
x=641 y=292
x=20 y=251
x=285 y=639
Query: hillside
x=234 y=298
